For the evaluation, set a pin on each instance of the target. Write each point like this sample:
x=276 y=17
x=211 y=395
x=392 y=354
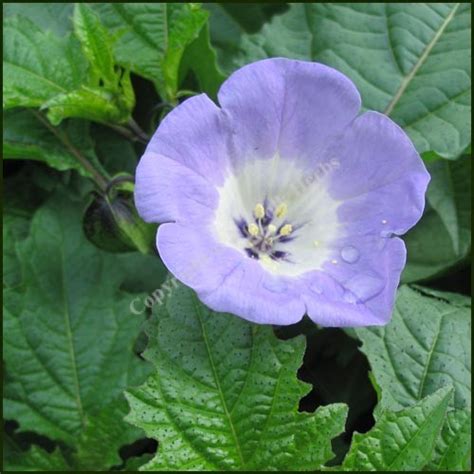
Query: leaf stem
x=96 y=176
x=127 y=133
x=137 y=130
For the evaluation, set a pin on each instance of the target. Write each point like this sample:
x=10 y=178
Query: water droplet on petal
x=350 y=254
x=365 y=286
x=274 y=285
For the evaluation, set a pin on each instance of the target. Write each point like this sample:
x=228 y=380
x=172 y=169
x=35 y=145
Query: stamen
x=287 y=229
x=316 y=243
x=271 y=229
x=281 y=210
x=253 y=229
x=259 y=211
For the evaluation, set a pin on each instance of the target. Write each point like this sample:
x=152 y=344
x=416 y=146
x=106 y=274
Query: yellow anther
x=253 y=229
x=316 y=243
x=259 y=211
x=287 y=229
x=271 y=229
x=281 y=210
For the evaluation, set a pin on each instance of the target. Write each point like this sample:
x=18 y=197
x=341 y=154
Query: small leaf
x=425 y=346
x=92 y=103
x=400 y=441
x=153 y=37
x=225 y=395
x=452 y=450
x=96 y=43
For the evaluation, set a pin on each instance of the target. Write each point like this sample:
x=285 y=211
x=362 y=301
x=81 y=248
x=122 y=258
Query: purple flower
x=282 y=202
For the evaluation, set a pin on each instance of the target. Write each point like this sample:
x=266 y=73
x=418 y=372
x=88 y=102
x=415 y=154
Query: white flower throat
x=267 y=211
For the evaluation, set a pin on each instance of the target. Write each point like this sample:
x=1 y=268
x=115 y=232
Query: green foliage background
x=94 y=379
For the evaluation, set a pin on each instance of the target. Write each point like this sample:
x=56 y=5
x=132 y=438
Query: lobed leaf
x=425 y=347
x=453 y=447
x=400 y=440
x=225 y=395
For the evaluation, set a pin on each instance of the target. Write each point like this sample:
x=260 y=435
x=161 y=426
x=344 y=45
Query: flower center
x=266 y=232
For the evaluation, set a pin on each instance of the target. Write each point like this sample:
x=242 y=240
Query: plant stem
x=96 y=176
x=137 y=130
x=127 y=133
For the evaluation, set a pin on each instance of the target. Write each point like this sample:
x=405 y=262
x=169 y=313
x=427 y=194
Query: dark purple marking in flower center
x=263 y=234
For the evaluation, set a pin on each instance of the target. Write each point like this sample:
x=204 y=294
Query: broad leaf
x=35 y=459
x=402 y=440
x=26 y=135
x=69 y=334
x=452 y=450
x=152 y=38
x=55 y=17
x=225 y=395
x=30 y=77
x=410 y=61
x=442 y=238
x=425 y=346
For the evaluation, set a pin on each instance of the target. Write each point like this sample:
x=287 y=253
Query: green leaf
x=452 y=450
x=201 y=58
x=450 y=196
x=15 y=228
x=225 y=395
x=92 y=103
x=442 y=238
x=400 y=441
x=115 y=152
x=67 y=86
x=106 y=426
x=69 y=333
x=55 y=17
x=152 y=38
x=96 y=43
x=27 y=136
x=35 y=459
x=30 y=77
x=229 y=24
x=426 y=346
x=409 y=61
